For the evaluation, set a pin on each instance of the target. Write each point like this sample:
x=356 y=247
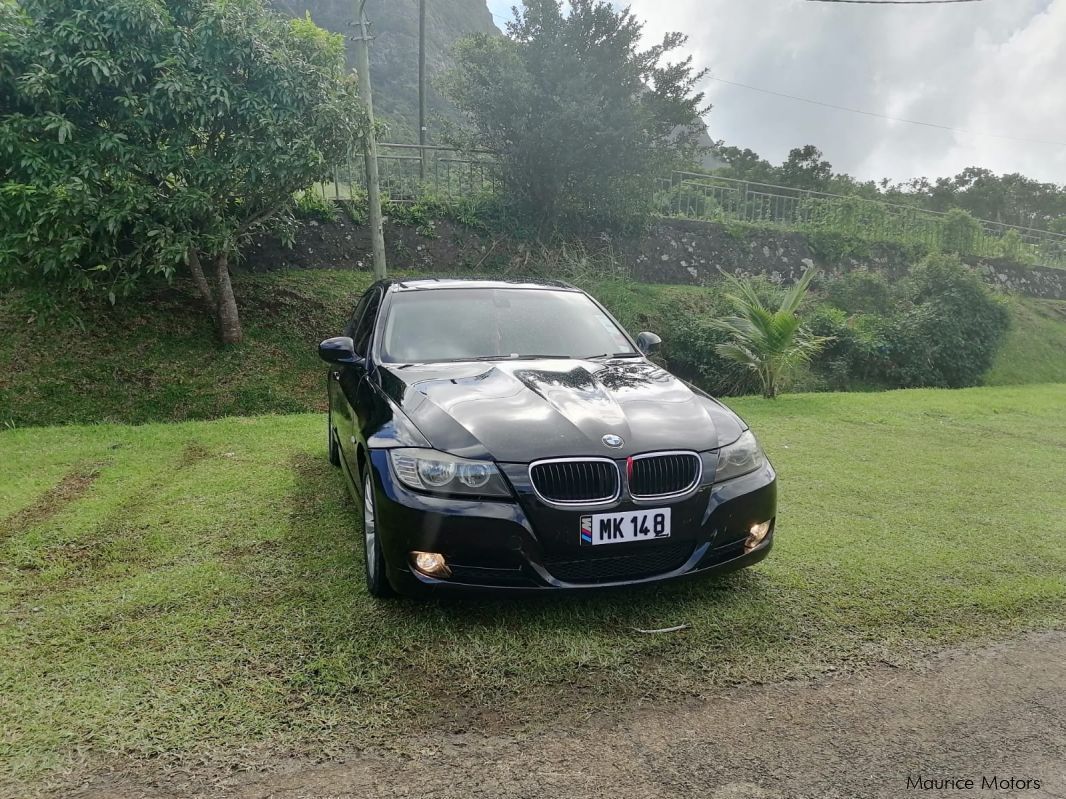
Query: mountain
x=394 y=49
x=394 y=53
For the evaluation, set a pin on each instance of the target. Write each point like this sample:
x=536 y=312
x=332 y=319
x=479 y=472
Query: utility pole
x=422 y=89
x=373 y=184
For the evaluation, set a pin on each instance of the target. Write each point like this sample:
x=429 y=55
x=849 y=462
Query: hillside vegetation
x=156 y=359
x=1035 y=350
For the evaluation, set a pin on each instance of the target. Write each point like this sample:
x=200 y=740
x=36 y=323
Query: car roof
x=433 y=283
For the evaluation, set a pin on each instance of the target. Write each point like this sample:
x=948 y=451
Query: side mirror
x=340 y=349
x=648 y=343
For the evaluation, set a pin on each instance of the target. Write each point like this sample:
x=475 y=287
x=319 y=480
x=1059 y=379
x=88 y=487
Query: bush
x=313 y=204
x=861 y=292
x=941 y=327
x=856 y=355
x=949 y=333
x=959 y=232
x=1012 y=247
x=833 y=247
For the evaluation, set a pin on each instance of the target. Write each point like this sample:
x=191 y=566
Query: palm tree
x=769 y=343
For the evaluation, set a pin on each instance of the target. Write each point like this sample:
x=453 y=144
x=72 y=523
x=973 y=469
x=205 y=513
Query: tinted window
x=455 y=324
x=365 y=329
x=349 y=329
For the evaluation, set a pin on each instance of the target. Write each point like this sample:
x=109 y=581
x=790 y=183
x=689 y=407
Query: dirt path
x=997 y=712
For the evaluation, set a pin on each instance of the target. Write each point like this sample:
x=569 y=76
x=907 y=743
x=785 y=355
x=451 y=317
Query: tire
x=377 y=583
x=332 y=447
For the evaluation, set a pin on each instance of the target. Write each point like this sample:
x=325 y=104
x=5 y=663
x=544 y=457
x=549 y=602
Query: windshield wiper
x=502 y=358
x=603 y=355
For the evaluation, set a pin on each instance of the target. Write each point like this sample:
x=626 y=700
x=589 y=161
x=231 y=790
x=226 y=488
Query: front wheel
x=377 y=584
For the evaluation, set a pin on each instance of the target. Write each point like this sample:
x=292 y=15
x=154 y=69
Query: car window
x=365 y=329
x=349 y=329
x=457 y=324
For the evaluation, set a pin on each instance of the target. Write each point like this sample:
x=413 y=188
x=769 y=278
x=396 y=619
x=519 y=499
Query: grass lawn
x=192 y=592
x=156 y=359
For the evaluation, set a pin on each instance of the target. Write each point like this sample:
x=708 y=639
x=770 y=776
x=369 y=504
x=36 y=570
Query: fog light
x=756 y=535
x=431 y=563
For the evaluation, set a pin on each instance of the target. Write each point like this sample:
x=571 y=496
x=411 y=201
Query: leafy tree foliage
x=583 y=118
x=139 y=137
x=805 y=168
x=1011 y=199
x=745 y=164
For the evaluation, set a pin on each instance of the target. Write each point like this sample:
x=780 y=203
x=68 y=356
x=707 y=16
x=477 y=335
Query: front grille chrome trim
x=586 y=503
x=672 y=494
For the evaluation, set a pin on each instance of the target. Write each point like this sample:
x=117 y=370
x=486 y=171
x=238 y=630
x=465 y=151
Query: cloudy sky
x=988 y=67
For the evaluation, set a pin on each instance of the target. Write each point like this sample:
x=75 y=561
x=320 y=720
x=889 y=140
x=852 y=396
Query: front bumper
x=525 y=547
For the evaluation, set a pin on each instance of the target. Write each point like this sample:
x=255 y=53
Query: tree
x=806 y=169
x=744 y=164
x=583 y=120
x=138 y=137
x=770 y=343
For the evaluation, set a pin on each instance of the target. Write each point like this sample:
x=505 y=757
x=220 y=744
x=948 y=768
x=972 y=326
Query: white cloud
x=997 y=66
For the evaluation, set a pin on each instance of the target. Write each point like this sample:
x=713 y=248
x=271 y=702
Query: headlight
x=439 y=472
x=741 y=457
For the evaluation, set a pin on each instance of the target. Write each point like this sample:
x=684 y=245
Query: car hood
x=520 y=411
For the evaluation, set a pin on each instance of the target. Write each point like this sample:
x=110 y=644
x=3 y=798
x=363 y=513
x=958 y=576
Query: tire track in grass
x=70 y=489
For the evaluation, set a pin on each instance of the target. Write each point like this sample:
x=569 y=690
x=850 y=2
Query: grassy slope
x=1035 y=351
x=195 y=589
x=158 y=361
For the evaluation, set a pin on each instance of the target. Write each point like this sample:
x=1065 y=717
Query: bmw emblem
x=613 y=441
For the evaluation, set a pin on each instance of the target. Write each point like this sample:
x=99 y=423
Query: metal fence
x=409 y=172
x=689 y=195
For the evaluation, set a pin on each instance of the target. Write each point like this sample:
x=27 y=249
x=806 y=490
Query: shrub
x=949 y=333
x=313 y=204
x=959 y=232
x=856 y=352
x=1012 y=247
x=861 y=292
x=768 y=339
x=833 y=247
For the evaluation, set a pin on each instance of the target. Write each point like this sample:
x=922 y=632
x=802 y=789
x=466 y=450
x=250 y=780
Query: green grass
x=192 y=592
x=1035 y=350
x=155 y=359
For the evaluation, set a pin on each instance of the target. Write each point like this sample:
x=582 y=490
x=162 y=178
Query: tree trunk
x=229 y=323
x=200 y=280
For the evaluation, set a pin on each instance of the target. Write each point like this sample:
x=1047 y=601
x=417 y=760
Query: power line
x=885 y=116
x=896 y=2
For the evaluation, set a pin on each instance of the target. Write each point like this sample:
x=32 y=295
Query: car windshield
x=466 y=324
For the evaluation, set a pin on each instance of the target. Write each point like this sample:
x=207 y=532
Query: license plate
x=618 y=528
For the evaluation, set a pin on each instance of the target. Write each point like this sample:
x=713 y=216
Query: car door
x=340 y=408
x=353 y=380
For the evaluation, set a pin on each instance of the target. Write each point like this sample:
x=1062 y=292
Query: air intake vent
x=664 y=474
x=647 y=562
x=572 y=481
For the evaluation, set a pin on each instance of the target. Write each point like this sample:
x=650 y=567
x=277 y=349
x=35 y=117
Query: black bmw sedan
x=512 y=437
